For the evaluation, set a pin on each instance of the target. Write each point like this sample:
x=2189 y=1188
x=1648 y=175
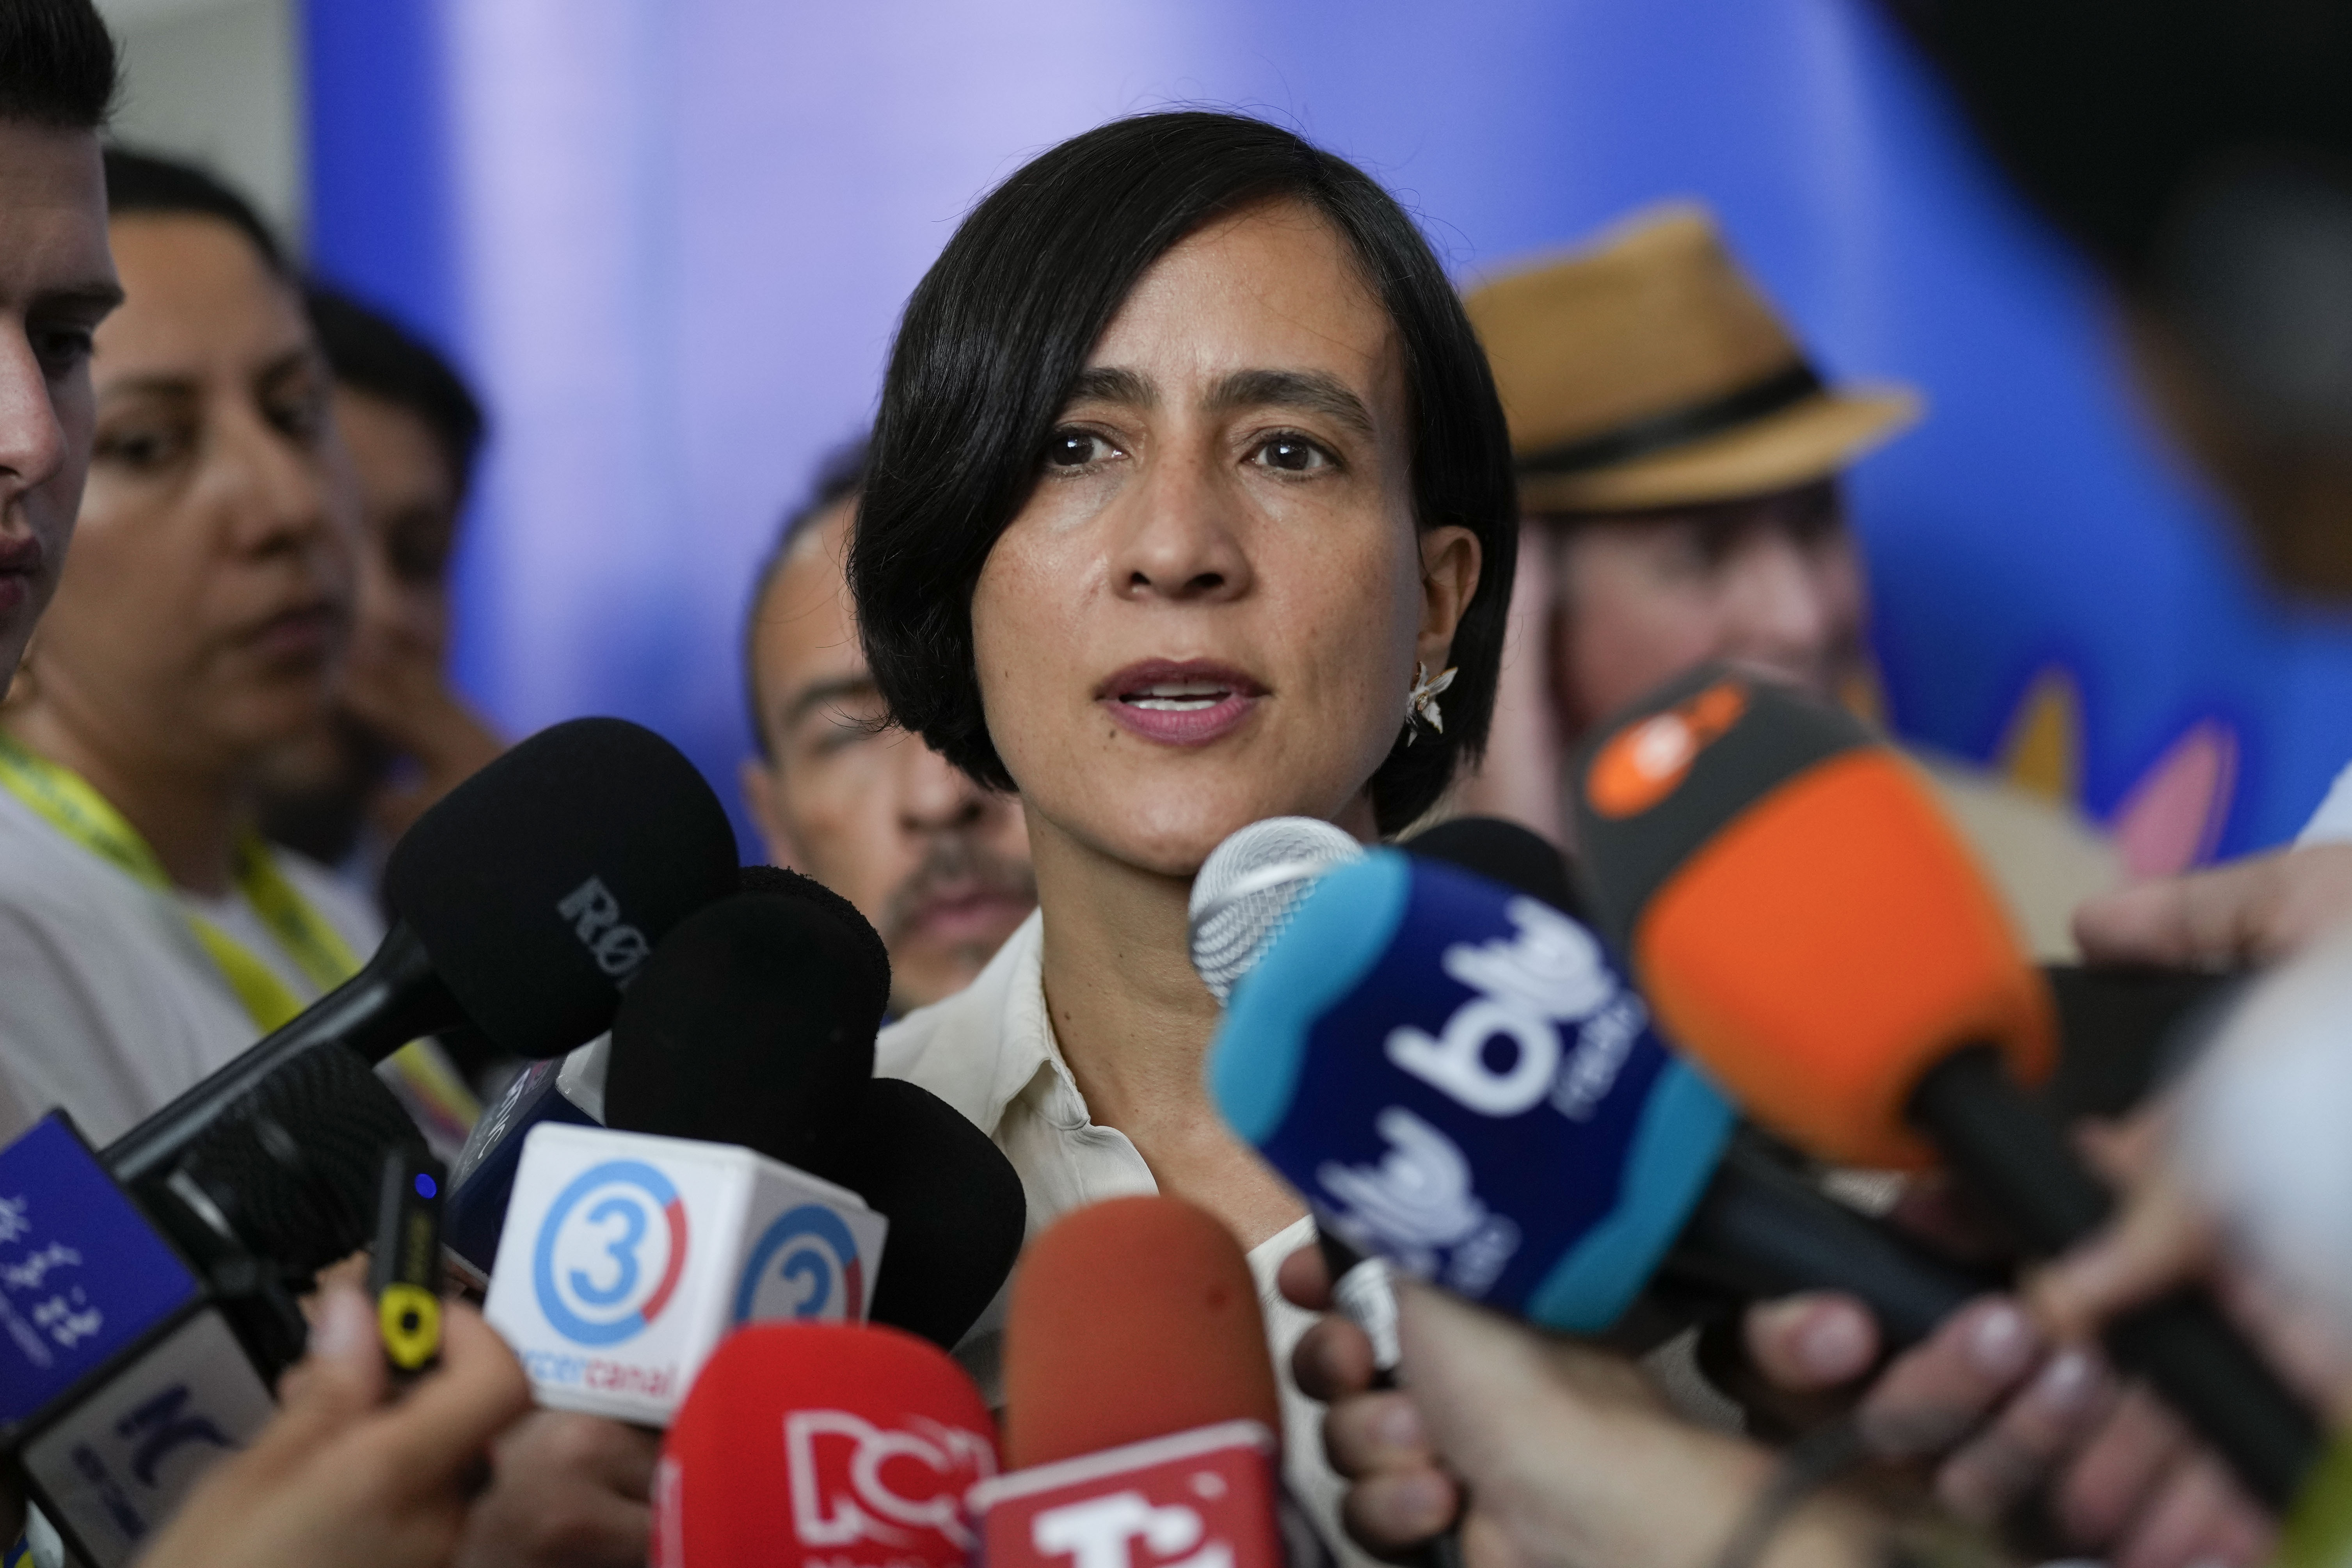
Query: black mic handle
x=394 y=999
x=1762 y=1230
x=2020 y=1162
x=1354 y=1294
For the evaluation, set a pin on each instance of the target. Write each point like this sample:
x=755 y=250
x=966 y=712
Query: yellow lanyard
x=67 y=802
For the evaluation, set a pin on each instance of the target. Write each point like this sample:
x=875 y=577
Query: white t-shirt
x=989 y=1050
x=109 y=1006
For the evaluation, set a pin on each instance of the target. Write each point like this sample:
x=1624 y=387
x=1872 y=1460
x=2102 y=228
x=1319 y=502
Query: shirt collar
x=982 y=1048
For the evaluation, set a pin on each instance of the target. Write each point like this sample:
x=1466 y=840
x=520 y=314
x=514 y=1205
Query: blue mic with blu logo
x=1459 y=1080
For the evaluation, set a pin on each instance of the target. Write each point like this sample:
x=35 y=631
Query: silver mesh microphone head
x=1248 y=887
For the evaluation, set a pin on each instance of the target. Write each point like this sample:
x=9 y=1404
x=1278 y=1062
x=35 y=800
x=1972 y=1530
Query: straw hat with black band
x=1645 y=370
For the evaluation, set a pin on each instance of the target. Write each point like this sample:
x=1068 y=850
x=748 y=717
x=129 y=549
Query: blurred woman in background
x=148 y=933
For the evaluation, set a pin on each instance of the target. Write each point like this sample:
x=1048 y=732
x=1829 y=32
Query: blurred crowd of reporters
x=253 y=632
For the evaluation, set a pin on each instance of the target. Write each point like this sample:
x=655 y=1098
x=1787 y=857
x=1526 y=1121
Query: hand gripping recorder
x=628 y=1256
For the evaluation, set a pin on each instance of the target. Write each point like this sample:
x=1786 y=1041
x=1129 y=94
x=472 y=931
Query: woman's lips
x=1179 y=703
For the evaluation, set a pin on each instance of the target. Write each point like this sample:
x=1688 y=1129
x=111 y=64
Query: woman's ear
x=1450 y=563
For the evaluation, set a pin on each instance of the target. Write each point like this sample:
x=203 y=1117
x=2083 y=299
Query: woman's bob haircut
x=996 y=335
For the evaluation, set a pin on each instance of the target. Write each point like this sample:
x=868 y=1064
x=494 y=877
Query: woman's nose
x=1180 y=541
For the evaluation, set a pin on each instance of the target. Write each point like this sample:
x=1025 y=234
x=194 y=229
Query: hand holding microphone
x=1567 y=1457
x=1804 y=921
x=337 y=1479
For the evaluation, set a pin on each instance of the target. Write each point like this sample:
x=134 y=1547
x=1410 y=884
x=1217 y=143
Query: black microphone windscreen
x=872 y=958
x=956 y=1209
x=295 y=1165
x=539 y=886
x=752 y=1023
x=1504 y=852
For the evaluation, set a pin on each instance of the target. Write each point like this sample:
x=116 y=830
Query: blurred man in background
x=1680 y=464
x=401 y=737
x=939 y=865
x=57 y=283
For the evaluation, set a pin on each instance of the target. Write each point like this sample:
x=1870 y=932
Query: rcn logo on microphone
x=610 y=1252
x=900 y=1488
x=617 y=947
x=804 y=1266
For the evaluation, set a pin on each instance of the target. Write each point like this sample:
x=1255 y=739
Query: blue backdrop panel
x=671 y=237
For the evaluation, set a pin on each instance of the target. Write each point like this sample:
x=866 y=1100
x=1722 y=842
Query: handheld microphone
x=754 y=1024
x=526 y=899
x=735 y=1060
x=1807 y=923
x=142 y=1342
x=569 y=1090
x=822 y=1443
x=955 y=1206
x=566 y=1089
x=1140 y=1401
x=628 y=1257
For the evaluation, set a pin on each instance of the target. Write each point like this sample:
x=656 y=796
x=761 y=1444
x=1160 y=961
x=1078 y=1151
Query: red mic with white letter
x=823 y=1445
x=1141 y=1409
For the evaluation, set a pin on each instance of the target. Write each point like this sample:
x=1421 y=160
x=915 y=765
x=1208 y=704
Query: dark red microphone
x=1142 y=1412
x=841 y=1443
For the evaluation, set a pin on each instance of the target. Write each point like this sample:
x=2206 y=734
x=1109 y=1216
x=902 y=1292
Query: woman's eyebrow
x=1112 y=384
x=1310 y=391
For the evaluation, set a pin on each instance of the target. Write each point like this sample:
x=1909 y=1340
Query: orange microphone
x=1140 y=1408
x=1808 y=926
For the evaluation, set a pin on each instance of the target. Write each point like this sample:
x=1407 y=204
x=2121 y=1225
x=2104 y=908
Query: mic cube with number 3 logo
x=627 y=1257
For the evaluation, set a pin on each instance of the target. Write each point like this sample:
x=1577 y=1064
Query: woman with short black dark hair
x=1191 y=504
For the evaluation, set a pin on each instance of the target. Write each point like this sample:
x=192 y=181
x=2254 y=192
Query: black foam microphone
x=293 y=1168
x=955 y=1206
x=526 y=899
x=754 y=1025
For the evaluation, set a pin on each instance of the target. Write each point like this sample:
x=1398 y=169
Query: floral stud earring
x=1421 y=702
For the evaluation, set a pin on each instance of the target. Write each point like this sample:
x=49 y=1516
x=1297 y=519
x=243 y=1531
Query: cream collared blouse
x=990 y=1052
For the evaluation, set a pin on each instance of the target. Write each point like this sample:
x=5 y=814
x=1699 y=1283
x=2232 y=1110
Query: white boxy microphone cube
x=627 y=1257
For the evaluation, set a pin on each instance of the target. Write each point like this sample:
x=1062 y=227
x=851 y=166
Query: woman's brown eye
x=1072 y=448
x=1291 y=454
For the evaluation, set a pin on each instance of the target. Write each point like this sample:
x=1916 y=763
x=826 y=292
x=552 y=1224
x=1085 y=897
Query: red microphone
x=1140 y=1402
x=845 y=1445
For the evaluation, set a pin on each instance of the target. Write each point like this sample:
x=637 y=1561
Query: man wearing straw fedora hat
x=1679 y=460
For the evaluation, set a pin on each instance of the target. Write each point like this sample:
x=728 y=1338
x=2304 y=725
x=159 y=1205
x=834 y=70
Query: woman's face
x=1209 y=609
x=207 y=596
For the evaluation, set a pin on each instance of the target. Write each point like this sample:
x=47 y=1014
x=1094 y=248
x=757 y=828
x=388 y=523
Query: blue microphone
x=1459 y=1081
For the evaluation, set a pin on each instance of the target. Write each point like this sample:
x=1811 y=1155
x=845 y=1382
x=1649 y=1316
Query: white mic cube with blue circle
x=627 y=1257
